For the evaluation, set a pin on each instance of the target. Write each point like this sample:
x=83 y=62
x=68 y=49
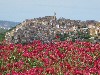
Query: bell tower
x=54 y=16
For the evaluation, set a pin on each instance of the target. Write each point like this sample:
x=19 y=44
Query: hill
x=46 y=29
x=2 y=30
x=8 y=24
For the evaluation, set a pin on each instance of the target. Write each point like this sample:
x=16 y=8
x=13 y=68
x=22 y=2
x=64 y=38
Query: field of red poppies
x=61 y=58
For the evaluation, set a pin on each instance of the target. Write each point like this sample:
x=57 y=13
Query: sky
x=19 y=10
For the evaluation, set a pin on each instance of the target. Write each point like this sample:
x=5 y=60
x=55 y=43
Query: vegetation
x=61 y=58
x=73 y=36
x=6 y=24
x=2 y=36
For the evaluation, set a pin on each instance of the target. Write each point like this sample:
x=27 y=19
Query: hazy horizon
x=19 y=10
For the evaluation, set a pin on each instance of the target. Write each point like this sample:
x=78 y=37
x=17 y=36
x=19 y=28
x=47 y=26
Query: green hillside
x=2 y=36
x=6 y=25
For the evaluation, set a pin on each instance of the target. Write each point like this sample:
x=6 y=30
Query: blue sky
x=19 y=10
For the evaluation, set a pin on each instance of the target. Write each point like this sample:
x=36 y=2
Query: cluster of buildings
x=46 y=28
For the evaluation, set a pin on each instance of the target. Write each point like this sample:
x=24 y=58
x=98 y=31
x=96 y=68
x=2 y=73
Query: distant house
x=46 y=28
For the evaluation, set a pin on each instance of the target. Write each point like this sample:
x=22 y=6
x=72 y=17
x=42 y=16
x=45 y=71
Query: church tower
x=54 y=16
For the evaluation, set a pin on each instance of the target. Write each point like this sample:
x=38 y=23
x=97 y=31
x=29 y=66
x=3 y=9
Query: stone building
x=46 y=28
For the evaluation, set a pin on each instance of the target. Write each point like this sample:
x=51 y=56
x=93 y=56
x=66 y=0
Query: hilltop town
x=46 y=28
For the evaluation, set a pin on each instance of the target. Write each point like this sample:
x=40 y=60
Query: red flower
x=9 y=65
x=50 y=70
x=61 y=64
x=67 y=73
x=14 y=73
x=46 y=61
x=25 y=54
x=80 y=72
x=97 y=63
x=3 y=68
x=57 y=37
x=52 y=57
x=98 y=72
x=68 y=66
